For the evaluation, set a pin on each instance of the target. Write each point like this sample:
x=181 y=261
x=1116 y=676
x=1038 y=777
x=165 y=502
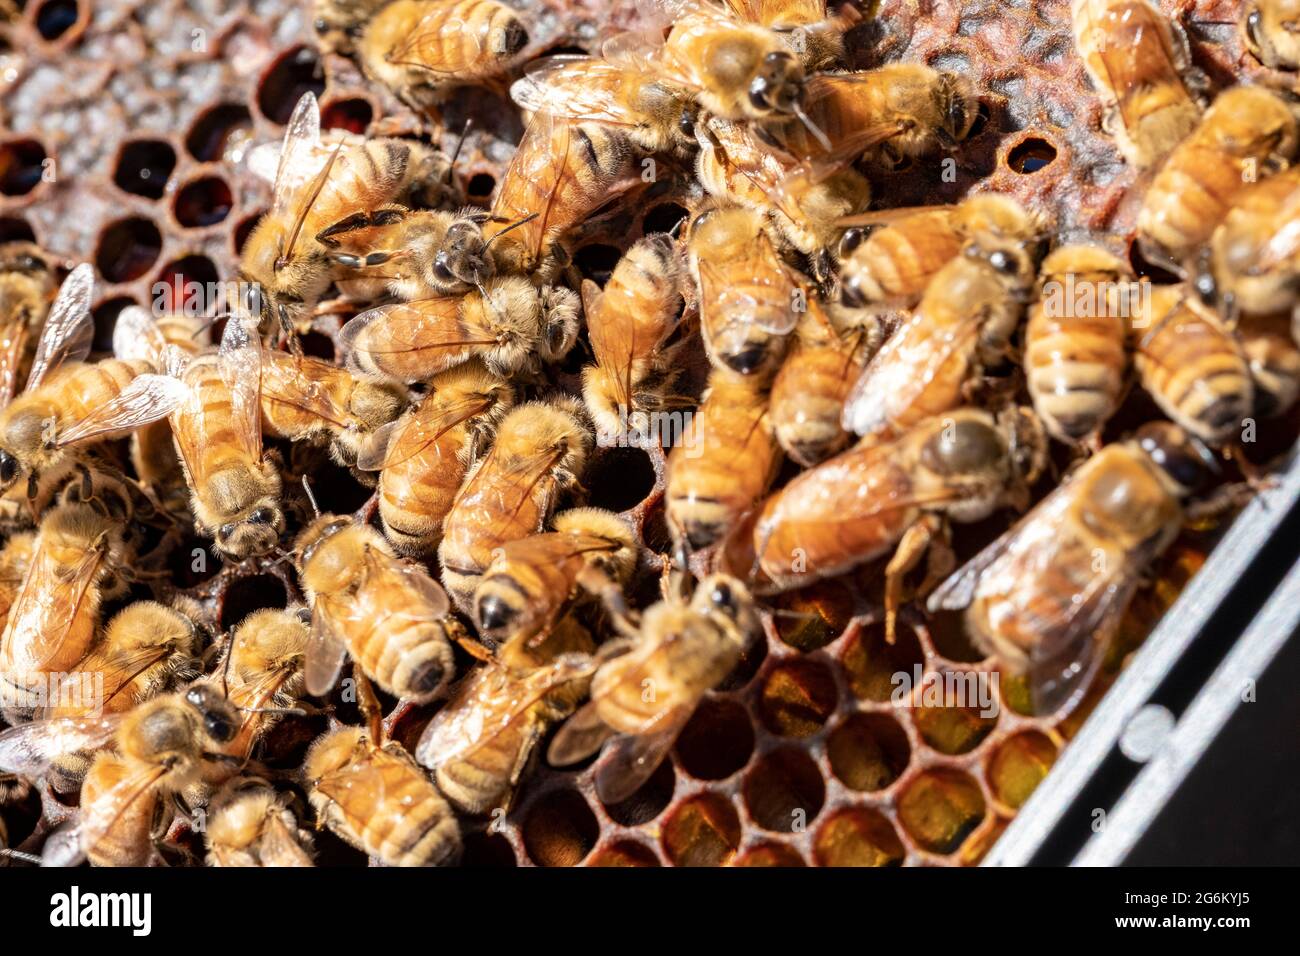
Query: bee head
x=253 y=533
x=10 y=469
x=1185 y=459
x=778 y=84
x=220 y=719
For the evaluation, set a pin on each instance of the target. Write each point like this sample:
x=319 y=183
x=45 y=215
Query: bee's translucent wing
x=148 y=398
x=326 y=650
x=136 y=336
x=29 y=749
x=630 y=760
x=298 y=156
x=239 y=361
x=69 y=329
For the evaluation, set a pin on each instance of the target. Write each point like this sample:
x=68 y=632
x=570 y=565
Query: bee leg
x=911 y=548
x=1222 y=500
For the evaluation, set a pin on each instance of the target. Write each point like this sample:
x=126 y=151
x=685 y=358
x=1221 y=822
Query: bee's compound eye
x=1002 y=262
x=218 y=728
x=686 y=123
x=723 y=596
x=441 y=271
x=321 y=25
x=226 y=530
x=8 y=468
x=851 y=239
x=262 y=516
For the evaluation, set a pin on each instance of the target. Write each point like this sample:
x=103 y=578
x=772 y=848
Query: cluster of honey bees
x=874 y=376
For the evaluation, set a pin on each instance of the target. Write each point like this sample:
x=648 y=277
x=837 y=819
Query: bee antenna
x=20 y=855
x=311 y=496
x=225 y=667
x=514 y=225
x=460 y=143
x=811 y=126
x=285 y=711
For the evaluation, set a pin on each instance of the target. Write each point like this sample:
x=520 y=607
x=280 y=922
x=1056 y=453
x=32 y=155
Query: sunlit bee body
x=1075 y=356
x=164 y=748
x=509 y=329
x=806 y=201
x=1271 y=33
x=623 y=95
x=479 y=744
x=76 y=564
x=15 y=558
x=1254 y=255
x=892 y=266
x=724 y=462
x=627 y=323
x=390 y=616
x=747 y=296
x=1248 y=133
x=265 y=676
x=379 y=800
x=315 y=190
x=539 y=452
x=1139 y=64
x=249 y=824
x=816 y=39
x=1047 y=596
x=1274 y=365
x=234 y=487
x=309 y=399
x=534 y=580
x=897 y=496
x=1193 y=366
x=649 y=685
x=923 y=107
x=68 y=402
x=26 y=288
x=808 y=394
x=963 y=324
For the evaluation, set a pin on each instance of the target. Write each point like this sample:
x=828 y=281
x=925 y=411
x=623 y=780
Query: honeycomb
x=122 y=129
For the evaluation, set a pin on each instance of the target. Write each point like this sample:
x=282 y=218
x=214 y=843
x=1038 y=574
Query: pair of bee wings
x=897 y=375
x=237 y=364
x=1284 y=244
x=724 y=306
x=510 y=483
x=1129 y=49
x=29 y=749
x=491 y=701
x=276 y=841
x=69 y=845
x=443 y=43
x=50 y=601
x=612 y=331
x=333 y=618
x=1011 y=568
x=422 y=325
x=286 y=382
x=399 y=441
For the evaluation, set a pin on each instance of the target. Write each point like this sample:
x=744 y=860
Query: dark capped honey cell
x=127 y=249
x=940 y=808
x=797 y=698
x=624 y=853
x=784 y=791
x=717 y=741
x=216 y=128
x=54 y=18
x=858 y=836
x=144 y=166
x=251 y=594
x=868 y=751
x=203 y=202
x=22 y=163
x=296 y=72
x=872 y=664
x=480 y=186
x=620 y=478
x=1019 y=765
x=1031 y=154
x=770 y=854
x=703 y=830
x=560 y=829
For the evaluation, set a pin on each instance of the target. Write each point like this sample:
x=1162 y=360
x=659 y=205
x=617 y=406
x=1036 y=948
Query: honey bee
x=26 y=288
x=650 y=682
x=1047 y=596
x=818 y=40
x=963 y=324
x=1248 y=132
x=540 y=450
x=284 y=262
x=1270 y=31
x=533 y=580
x=808 y=393
x=372 y=794
x=1253 y=257
x=1075 y=358
x=807 y=201
x=1140 y=65
x=263 y=674
x=249 y=824
x=76 y=564
x=389 y=615
x=656 y=117
x=1192 y=366
x=747 y=296
x=234 y=487
x=921 y=108
x=68 y=402
x=724 y=463
x=627 y=324
x=308 y=399
x=898 y=496
x=479 y=744
x=422 y=49
x=164 y=747
x=15 y=559
x=891 y=267
x=509 y=325
x=1274 y=367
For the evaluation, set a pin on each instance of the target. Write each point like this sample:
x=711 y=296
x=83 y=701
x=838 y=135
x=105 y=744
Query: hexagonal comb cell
x=857 y=837
x=940 y=808
x=868 y=752
x=703 y=830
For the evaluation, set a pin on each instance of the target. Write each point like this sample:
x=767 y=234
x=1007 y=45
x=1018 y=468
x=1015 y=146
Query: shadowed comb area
x=125 y=148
